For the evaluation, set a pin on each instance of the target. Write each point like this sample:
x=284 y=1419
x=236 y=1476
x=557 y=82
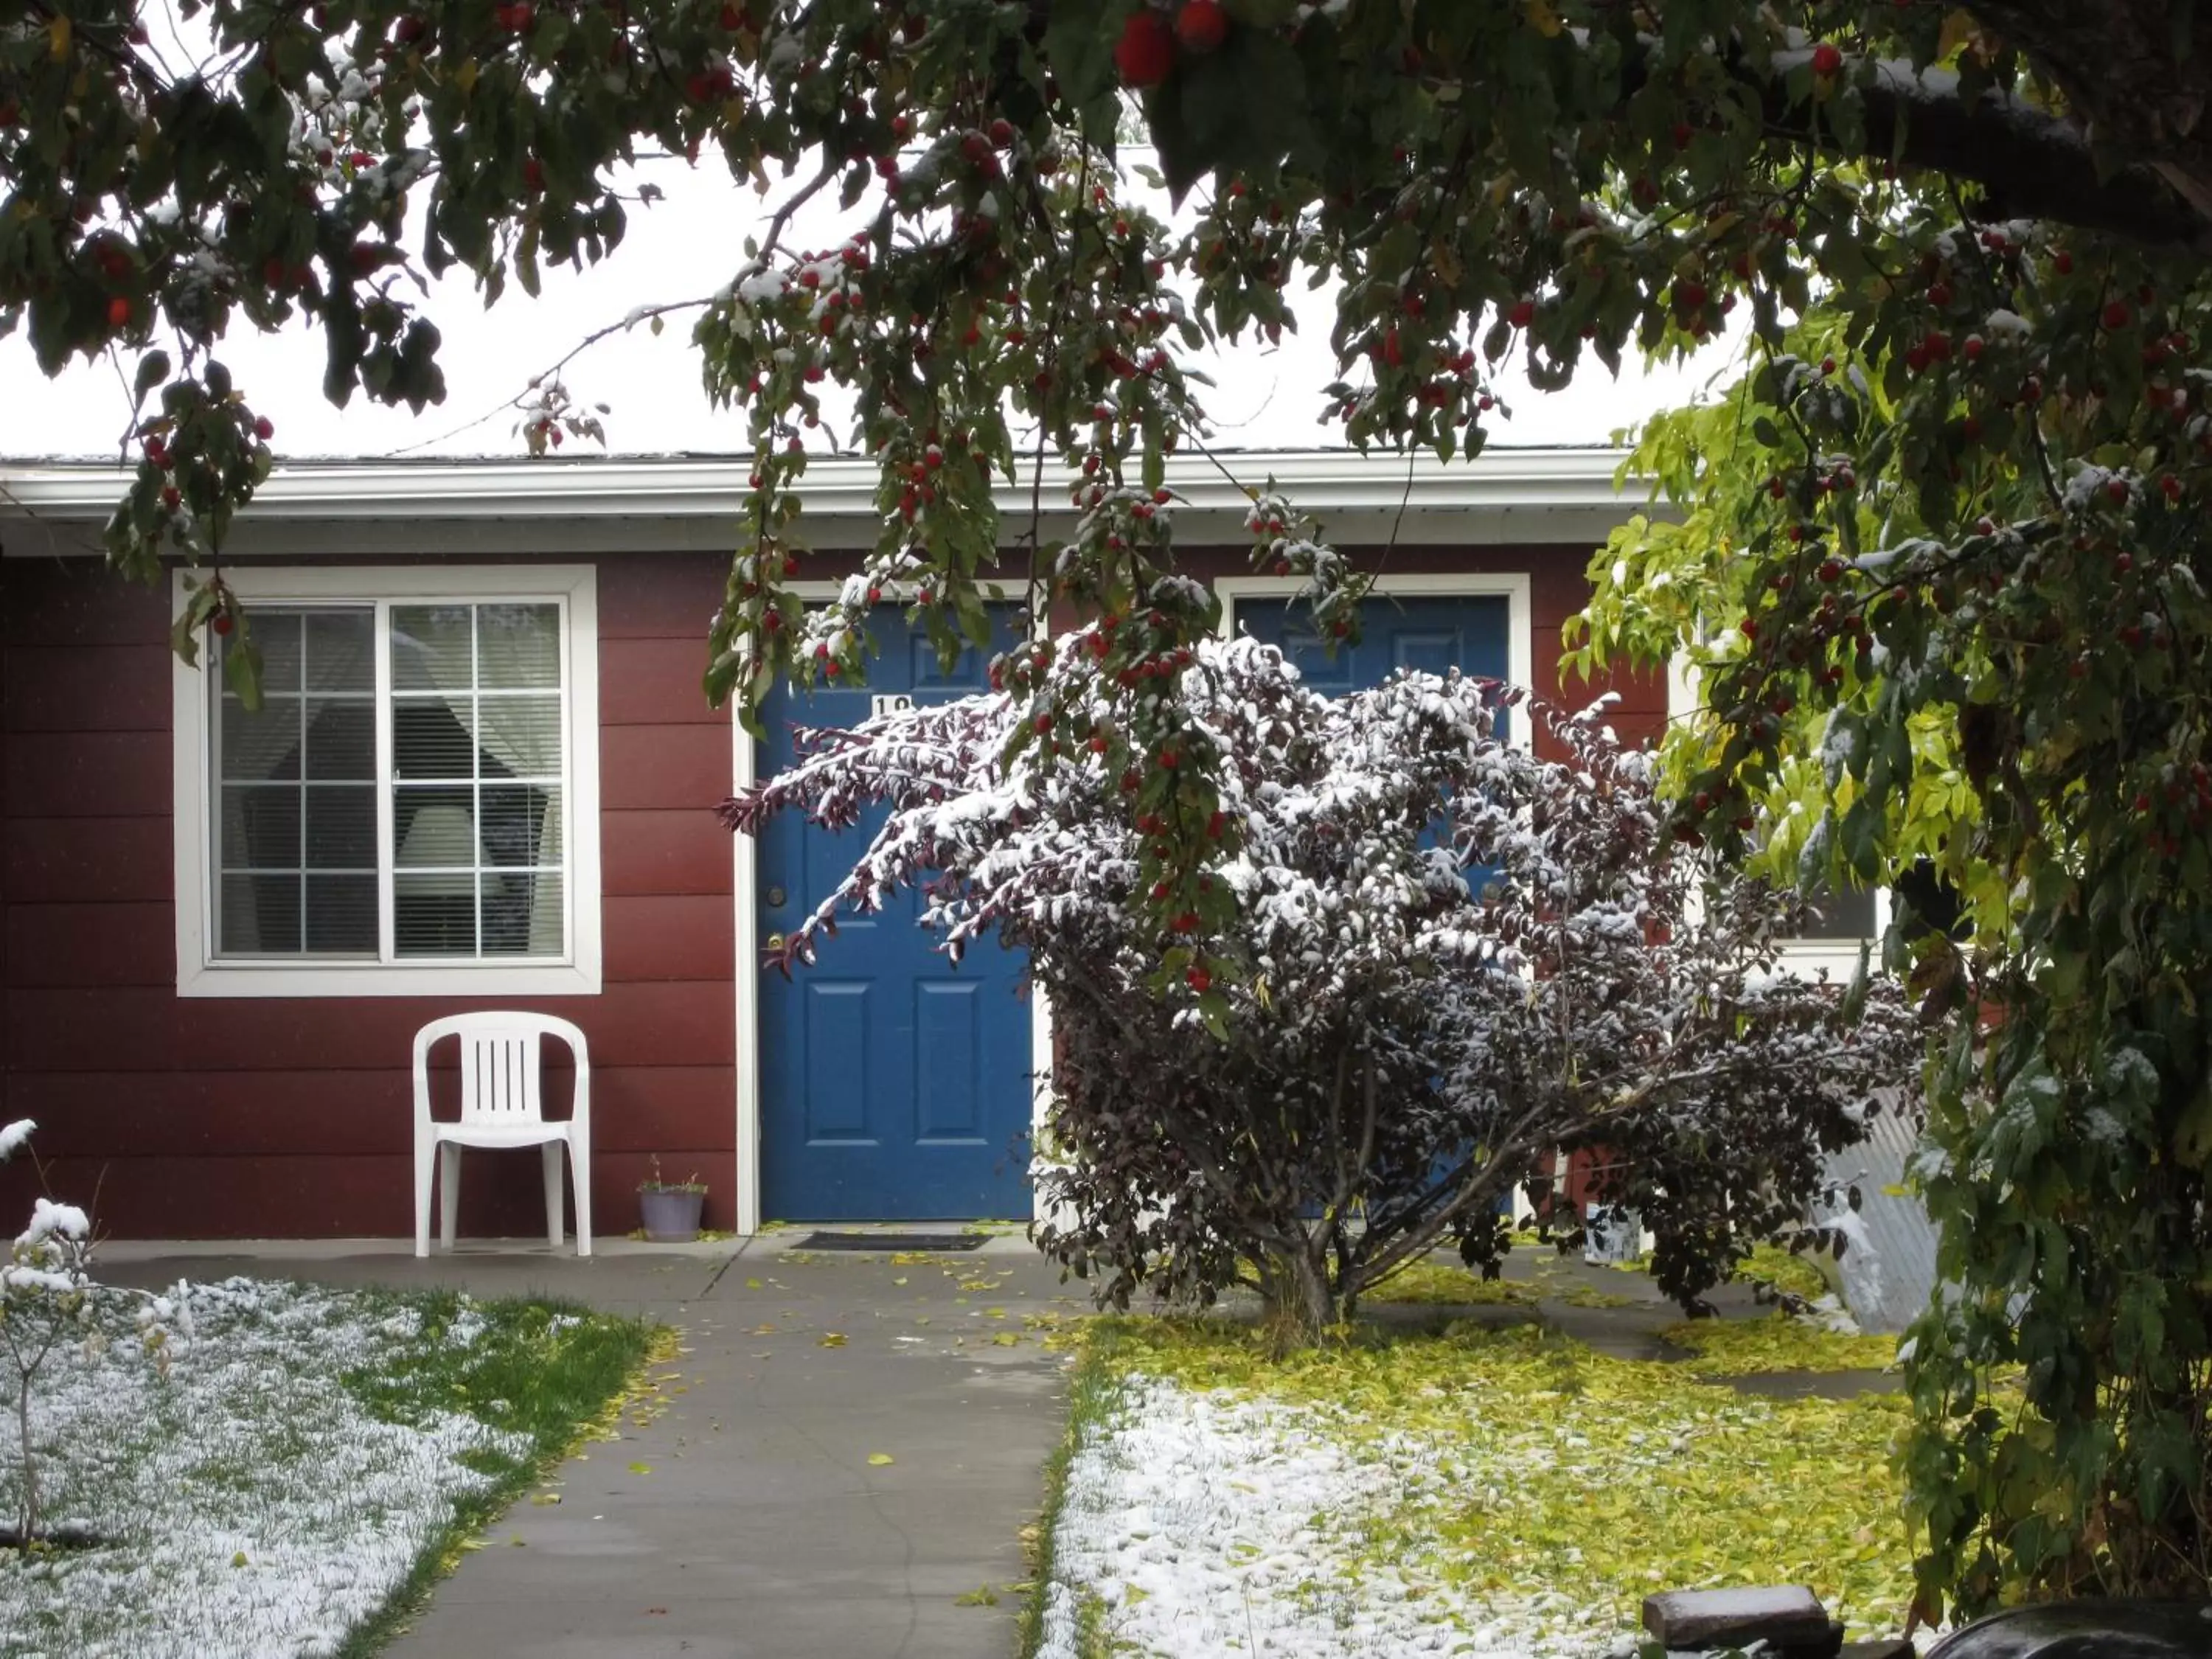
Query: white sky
x=683 y=247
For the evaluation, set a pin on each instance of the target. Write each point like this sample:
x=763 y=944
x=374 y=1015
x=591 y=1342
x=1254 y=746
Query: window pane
x=341 y=739
x=262 y=744
x=522 y=914
x=341 y=650
x=342 y=827
x=518 y=645
x=430 y=648
x=1846 y=916
x=260 y=826
x=434 y=915
x=341 y=915
x=435 y=827
x=258 y=915
x=520 y=825
x=432 y=739
x=519 y=736
x=277 y=634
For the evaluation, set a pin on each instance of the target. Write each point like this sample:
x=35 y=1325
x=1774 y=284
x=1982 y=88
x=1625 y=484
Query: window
x=1843 y=915
x=413 y=807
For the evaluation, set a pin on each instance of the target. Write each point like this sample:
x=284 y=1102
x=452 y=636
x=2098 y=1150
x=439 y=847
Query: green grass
x=1744 y=1347
x=1785 y=1271
x=1092 y=1389
x=1599 y=1478
x=549 y=1372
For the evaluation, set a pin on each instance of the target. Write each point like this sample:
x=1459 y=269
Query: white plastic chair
x=501 y=1106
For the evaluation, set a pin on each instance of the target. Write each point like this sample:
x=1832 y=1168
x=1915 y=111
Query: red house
x=484 y=778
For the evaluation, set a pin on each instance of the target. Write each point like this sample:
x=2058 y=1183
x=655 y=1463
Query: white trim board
x=199 y=974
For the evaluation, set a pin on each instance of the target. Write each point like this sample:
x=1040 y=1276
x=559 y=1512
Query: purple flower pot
x=670 y=1216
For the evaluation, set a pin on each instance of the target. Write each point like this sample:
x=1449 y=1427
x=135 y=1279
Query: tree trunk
x=30 y=1466
x=1301 y=1304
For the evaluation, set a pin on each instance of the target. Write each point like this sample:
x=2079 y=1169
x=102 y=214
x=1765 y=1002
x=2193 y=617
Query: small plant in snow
x=1421 y=961
x=46 y=1291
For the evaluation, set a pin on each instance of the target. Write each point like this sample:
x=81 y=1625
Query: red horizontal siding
x=648 y=768
x=112 y=945
x=656 y=682
x=683 y=1023
x=365 y=1111
x=85 y=688
x=77 y=601
x=295 y=1117
x=89 y=775
x=661 y=937
x=662 y=596
x=347 y=1195
x=83 y=860
x=665 y=852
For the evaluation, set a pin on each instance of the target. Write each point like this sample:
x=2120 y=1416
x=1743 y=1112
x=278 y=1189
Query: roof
x=1504 y=496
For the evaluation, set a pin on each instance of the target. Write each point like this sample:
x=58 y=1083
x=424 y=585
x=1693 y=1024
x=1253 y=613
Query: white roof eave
x=1502 y=495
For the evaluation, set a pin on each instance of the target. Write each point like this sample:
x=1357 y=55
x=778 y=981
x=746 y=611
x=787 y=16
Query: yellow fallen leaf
x=1007 y=1339
x=640 y=1468
x=754 y=1284
x=878 y=1460
x=831 y=1339
x=545 y=1497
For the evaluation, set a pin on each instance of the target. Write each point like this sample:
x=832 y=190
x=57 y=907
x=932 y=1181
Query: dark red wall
x=293 y=1118
x=244 y=1117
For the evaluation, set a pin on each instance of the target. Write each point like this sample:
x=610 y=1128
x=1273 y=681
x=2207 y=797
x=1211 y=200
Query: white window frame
x=200 y=973
x=1837 y=958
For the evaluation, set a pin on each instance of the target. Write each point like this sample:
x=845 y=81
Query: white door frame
x=745 y=874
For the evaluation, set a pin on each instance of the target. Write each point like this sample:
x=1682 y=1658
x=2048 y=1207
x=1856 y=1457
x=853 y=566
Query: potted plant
x=670 y=1209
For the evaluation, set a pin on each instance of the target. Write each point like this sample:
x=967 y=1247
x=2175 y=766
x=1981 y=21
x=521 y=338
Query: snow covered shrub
x=1422 y=961
x=46 y=1289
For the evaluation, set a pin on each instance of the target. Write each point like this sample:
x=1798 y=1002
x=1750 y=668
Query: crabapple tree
x=1433 y=961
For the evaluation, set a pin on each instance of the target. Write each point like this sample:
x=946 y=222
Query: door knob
x=774 y=942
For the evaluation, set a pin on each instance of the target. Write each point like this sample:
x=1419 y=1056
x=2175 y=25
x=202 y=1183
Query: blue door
x=1471 y=633
x=894 y=1086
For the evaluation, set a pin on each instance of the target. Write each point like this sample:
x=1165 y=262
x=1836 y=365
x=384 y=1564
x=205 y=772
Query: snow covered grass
x=1484 y=1492
x=310 y=1463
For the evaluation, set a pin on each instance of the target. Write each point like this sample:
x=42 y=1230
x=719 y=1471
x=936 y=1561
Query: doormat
x=902 y=1242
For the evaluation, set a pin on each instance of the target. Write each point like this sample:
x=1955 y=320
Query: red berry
x=1750 y=626
x=2117 y=314
x=2115 y=490
x=222 y=623
x=1523 y=313
x=170 y=498
x=1199 y=978
x=119 y=313
x=1201 y=26
x=1144 y=54
x=1827 y=365
x=1002 y=133
x=264 y=427
x=1827 y=59
x=1043 y=723
x=1939 y=292
x=2062 y=263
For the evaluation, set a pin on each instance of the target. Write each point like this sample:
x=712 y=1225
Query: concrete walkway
x=739 y=1514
